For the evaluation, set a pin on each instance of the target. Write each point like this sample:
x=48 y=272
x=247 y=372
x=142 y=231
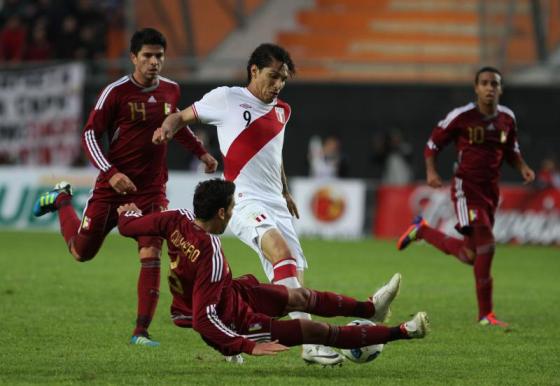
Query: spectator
x=38 y=30
x=39 y=48
x=67 y=42
x=393 y=155
x=12 y=39
x=548 y=175
x=326 y=158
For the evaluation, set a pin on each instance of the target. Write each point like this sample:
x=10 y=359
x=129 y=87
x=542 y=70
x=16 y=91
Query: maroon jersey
x=200 y=279
x=482 y=142
x=128 y=114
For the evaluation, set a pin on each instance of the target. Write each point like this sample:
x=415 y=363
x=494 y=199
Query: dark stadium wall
x=358 y=112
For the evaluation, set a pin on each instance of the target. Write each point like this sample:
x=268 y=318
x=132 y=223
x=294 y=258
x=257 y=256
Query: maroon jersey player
x=131 y=170
x=485 y=135
x=235 y=315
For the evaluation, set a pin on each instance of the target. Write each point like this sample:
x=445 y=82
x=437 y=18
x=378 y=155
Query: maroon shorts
x=474 y=204
x=264 y=303
x=100 y=213
x=255 y=305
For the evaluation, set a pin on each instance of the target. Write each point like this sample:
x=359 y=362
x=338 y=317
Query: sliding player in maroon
x=133 y=169
x=233 y=315
x=485 y=134
x=251 y=122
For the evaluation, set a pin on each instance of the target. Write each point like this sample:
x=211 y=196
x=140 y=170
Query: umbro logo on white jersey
x=151 y=99
x=245 y=106
x=280 y=114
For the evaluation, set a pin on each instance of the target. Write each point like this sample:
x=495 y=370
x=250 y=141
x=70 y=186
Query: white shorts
x=251 y=219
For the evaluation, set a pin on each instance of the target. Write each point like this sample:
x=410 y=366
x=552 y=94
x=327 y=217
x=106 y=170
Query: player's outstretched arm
x=172 y=124
x=268 y=348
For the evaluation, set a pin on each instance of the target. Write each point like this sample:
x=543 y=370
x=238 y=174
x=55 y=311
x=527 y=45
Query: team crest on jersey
x=255 y=327
x=167 y=108
x=86 y=222
x=473 y=215
x=280 y=114
x=503 y=136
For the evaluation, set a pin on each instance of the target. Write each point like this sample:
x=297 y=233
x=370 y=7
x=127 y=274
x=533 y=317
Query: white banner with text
x=41 y=115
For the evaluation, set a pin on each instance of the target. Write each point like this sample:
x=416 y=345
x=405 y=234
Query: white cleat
x=322 y=355
x=236 y=359
x=383 y=298
x=417 y=327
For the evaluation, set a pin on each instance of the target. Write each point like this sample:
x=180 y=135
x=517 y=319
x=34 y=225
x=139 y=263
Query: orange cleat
x=411 y=234
x=490 y=320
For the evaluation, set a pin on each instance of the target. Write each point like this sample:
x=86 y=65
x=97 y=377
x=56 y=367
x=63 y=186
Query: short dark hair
x=487 y=69
x=210 y=196
x=146 y=36
x=265 y=54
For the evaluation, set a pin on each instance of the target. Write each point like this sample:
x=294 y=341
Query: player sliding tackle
x=251 y=122
x=236 y=315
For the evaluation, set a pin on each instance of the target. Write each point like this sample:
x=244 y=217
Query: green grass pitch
x=68 y=323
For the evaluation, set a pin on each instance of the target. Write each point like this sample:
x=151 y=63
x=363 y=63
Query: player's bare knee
x=274 y=247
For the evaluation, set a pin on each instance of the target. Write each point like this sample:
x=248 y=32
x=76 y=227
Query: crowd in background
x=40 y=30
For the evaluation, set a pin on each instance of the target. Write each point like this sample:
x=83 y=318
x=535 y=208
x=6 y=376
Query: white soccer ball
x=362 y=354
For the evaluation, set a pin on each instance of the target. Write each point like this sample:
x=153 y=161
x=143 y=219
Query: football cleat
x=143 y=341
x=322 y=355
x=46 y=202
x=411 y=234
x=490 y=320
x=417 y=327
x=383 y=298
x=237 y=359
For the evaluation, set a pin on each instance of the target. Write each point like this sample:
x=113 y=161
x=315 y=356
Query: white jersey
x=251 y=136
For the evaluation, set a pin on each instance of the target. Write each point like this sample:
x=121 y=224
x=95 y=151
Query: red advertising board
x=524 y=215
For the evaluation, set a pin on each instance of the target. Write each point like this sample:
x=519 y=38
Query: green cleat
x=46 y=202
x=143 y=341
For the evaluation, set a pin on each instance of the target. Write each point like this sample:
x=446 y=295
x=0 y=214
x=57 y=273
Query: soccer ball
x=362 y=354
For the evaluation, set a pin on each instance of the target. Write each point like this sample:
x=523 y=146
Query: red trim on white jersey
x=259 y=133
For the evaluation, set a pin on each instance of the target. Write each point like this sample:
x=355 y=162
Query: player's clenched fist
x=122 y=184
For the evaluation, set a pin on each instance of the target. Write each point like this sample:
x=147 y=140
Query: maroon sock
x=291 y=333
x=331 y=304
x=484 y=296
x=483 y=282
x=69 y=221
x=148 y=294
x=287 y=332
x=363 y=335
x=445 y=243
x=484 y=255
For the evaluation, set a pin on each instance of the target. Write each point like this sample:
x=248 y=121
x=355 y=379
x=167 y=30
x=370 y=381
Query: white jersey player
x=251 y=122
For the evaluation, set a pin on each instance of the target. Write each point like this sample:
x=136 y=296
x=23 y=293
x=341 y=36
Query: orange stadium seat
x=436 y=40
x=212 y=21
